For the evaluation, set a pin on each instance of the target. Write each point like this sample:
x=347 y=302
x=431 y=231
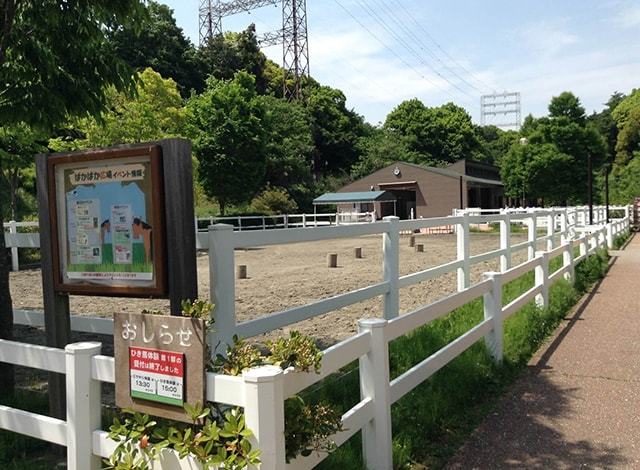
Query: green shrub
x=274 y=201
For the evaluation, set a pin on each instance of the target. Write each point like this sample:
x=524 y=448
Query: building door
x=405 y=203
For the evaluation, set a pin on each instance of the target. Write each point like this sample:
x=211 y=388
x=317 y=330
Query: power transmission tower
x=293 y=35
x=501 y=104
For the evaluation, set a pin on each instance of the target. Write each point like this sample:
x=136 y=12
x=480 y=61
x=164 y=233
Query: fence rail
x=262 y=391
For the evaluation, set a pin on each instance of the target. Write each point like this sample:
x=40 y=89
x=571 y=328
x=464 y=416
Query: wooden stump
x=332 y=260
x=412 y=241
x=419 y=248
x=242 y=271
x=357 y=252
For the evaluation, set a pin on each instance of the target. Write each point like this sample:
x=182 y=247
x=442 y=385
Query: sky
x=381 y=52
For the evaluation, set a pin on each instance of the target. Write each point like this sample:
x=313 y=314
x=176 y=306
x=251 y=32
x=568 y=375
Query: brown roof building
x=423 y=191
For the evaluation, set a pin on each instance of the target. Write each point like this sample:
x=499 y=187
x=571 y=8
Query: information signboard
x=107 y=222
x=159 y=363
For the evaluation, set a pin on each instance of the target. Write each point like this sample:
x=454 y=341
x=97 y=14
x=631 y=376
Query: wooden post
x=15 y=262
x=567 y=260
x=332 y=260
x=391 y=267
x=412 y=241
x=357 y=252
x=182 y=270
x=542 y=279
x=532 y=235
x=83 y=406
x=57 y=323
x=493 y=309
x=419 y=248
x=505 y=241
x=222 y=284
x=242 y=271
x=374 y=384
x=264 y=414
x=462 y=234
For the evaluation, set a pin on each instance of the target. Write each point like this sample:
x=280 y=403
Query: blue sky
x=461 y=49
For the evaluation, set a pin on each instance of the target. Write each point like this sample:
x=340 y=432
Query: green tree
x=380 y=148
x=55 y=61
x=440 y=135
x=155 y=112
x=226 y=124
x=494 y=143
x=18 y=145
x=335 y=129
x=224 y=55
x=567 y=105
x=161 y=45
x=627 y=118
x=289 y=145
x=535 y=172
x=274 y=201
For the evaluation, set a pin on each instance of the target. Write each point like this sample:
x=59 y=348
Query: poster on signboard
x=108 y=221
x=159 y=363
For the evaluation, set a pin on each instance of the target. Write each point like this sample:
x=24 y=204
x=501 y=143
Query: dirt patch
x=285 y=276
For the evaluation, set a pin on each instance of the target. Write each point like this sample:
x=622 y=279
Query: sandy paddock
x=285 y=276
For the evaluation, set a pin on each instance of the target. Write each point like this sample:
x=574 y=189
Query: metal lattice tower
x=501 y=104
x=293 y=35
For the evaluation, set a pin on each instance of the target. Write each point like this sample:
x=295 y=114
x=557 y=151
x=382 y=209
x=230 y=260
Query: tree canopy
x=226 y=124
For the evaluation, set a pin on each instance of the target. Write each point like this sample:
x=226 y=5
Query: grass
x=431 y=422
x=138 y=266
x=18 y=452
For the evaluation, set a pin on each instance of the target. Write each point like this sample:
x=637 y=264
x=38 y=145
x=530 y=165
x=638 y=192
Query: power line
x=372 y=34
x=408 y=47
x=432 y=39
x=423 y=46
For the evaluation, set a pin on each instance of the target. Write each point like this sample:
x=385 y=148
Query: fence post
x=374 y=384
x=532 y=234
x=493 y=309
x=286 y=221
x=391 y=266
x=222 y=284
x=304 y=221
x=564 y=226
x=505 y=241
x=264 y=414
x=584 y=244
x=542 y=279
x=15 y=262
x=83 y=406
x=550 y=230
x=462 y=237
x=609 y=236
x=567 y=260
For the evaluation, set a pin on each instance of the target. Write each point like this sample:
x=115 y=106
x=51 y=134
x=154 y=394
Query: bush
x=273 y=201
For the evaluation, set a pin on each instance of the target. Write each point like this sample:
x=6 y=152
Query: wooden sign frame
x=158 y=286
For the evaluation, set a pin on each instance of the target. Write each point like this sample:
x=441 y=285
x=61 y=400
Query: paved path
x=578 y=404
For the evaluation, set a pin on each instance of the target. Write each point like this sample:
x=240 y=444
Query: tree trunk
x=222 y=205
x=7 y=378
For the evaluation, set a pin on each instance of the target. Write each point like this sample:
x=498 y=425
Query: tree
x=494 y=143
x=55 y=61
x=627 y=118
x=567 y=105
x=537 y=171
x=606 y=125
x=18 y=145
x=155 y=112
x=161 y=45
x=225 y=55
x=289 y=145
x=226 y=124
x=273 y=201
x=335 y=129
x=440 y=135
x=380 y=148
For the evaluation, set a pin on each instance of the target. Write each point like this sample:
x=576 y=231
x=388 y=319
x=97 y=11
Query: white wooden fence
x=262 y=391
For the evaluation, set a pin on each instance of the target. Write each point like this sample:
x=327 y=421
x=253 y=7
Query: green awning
x=354 y=197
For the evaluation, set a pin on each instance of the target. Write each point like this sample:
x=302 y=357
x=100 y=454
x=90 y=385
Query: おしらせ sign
x=159 y=363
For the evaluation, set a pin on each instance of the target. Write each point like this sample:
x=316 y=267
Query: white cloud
x=627 y=17
x=546 y=38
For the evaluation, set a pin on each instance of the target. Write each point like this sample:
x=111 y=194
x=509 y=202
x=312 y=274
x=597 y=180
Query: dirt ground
x=286 y=276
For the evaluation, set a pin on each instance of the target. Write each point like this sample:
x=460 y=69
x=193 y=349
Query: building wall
x=436 y=195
